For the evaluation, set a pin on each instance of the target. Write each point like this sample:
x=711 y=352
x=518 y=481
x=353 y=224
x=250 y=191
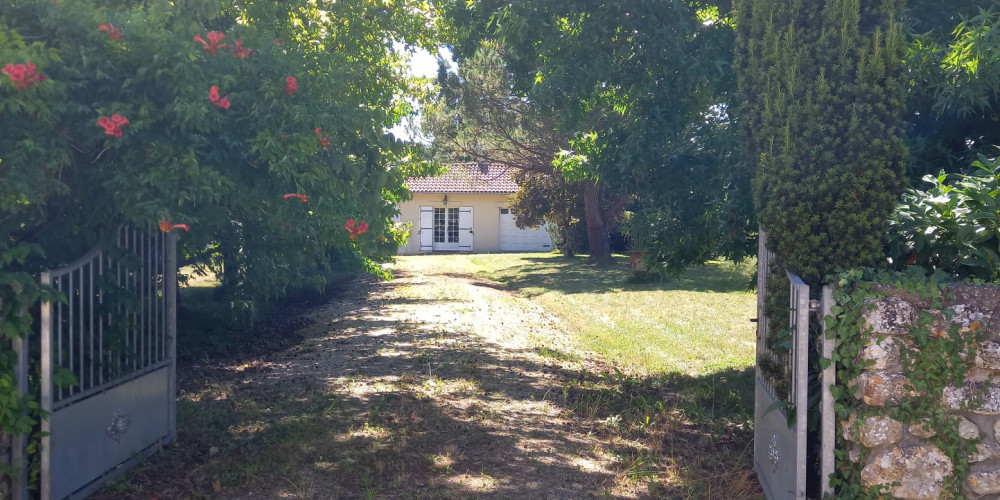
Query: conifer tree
x=820 y=96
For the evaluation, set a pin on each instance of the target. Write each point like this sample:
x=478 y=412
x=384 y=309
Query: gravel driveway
x=436 y=384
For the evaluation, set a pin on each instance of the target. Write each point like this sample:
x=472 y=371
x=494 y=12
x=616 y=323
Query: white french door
x=445 y=229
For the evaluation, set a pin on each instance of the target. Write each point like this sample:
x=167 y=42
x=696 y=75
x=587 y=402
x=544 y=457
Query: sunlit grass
x=695 y=324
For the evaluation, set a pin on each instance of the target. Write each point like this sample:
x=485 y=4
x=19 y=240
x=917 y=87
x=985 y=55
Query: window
x=504 y=211
x=452 y=225
x=445 y=225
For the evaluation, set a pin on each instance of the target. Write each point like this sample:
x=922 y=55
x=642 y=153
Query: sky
x=424 y=64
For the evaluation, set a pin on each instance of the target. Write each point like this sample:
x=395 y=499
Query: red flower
x=322 y=137
x=113 y=33
x=213 y=42
x=355 y=231
x=23 y=75
x=213 y=95
x=240 y=51
x=303 y=198
x=167 y=226
x=291 y=85
x=113 y=126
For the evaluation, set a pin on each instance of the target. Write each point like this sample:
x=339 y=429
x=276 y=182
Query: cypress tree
x=821 y=92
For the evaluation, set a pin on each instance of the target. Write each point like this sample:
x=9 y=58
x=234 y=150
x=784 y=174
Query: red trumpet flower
x=213 y=95
x=355 y=231
x=240 y=51
x=113 y=34
x=303 y=198
x=167 y=226
x=113 y=126
x=291 y=85
x=23 y=75
x=322 y=137
x=212 y=45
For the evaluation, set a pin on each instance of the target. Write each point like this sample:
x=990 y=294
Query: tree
x=550 y=198
x=822 y=91
x=225 y=109
x=477 y=117
x=622 y=84
x=952 y=93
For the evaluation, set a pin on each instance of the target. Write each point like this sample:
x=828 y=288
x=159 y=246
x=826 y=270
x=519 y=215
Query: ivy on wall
x=940 y=357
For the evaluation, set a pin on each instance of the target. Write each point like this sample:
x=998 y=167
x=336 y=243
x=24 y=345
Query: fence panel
x=115 y=336
x=781 y=387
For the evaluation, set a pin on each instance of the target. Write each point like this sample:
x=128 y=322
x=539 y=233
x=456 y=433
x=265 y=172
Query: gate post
x=170 y=282
x=16 y=443
x=19 y=442
x=828 y=417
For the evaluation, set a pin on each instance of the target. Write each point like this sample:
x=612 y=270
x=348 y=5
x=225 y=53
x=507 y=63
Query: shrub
x=952 y=225
x=821 y=93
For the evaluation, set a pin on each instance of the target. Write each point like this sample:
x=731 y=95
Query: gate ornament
x=120 y=422
x=772 y=453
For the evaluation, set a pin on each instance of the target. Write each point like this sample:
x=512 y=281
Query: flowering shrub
x=167 y=226
x=23 y=75
x=355 y=231
x=322 y=137
x=62 y=185
x=113 y=34
x=113 y=126
x=212 y=45
x=213 y=95
x=303 y=198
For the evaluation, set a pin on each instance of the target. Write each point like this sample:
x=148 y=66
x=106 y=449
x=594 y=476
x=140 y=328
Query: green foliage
x=940 y=357
x=222 y=165
x=550 y=198
x=821 y=94
x=953 y=225
x=606 y=78
x=223 y=171
x=952 y=87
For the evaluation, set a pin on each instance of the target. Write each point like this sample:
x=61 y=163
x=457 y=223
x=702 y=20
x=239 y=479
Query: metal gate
x=115 y=334
x=782 y=386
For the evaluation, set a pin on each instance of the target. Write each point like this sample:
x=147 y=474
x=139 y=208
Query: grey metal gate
x=116 y=335
x=782 y=385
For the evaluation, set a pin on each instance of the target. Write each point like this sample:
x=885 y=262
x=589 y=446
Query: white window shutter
x=465 y=234
x=426 y=231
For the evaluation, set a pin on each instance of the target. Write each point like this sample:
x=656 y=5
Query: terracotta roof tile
x=467 y=178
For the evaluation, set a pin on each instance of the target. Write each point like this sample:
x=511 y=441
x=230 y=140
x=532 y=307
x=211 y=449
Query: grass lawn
x=696 y=324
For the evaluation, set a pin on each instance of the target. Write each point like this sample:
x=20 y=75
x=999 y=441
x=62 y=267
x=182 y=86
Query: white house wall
x=485 y=221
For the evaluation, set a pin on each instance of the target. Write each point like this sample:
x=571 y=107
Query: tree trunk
x=597 y=224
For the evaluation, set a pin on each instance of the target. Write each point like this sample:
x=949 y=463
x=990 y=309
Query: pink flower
x=113 y=33
x=23 y=75
x=113 y=126
x=355 y=231
x=240 y=51
x=167 y=226
x=213 y=42
x=291 y=85
x=322 y=137
x=213 y=95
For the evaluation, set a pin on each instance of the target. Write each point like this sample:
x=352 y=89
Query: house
x=466 y=210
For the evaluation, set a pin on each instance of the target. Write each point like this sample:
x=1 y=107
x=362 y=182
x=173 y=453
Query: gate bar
x=828 y=422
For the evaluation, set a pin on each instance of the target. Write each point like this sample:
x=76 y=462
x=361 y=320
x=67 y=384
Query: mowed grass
x=696 y=324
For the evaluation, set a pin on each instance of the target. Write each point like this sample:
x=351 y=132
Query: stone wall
x=905 y=454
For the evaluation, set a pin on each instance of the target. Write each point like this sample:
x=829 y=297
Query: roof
x=467 y=178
